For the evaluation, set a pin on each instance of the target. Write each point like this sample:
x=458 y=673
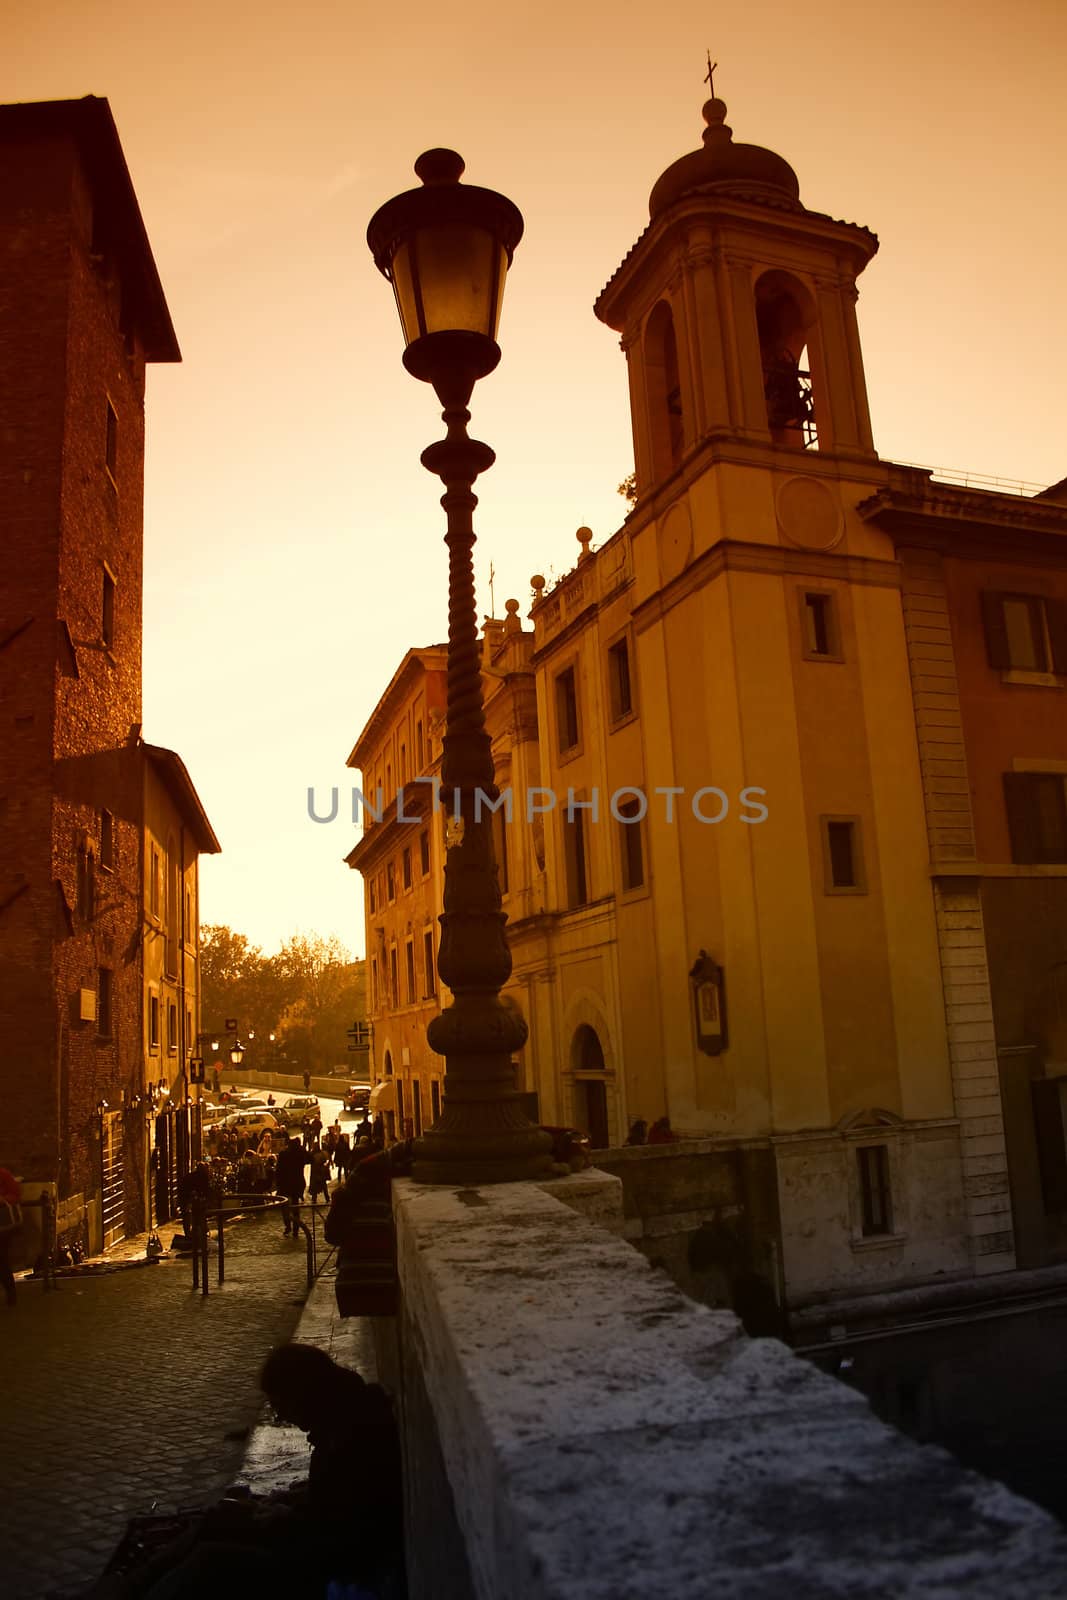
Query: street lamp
x=446 y=249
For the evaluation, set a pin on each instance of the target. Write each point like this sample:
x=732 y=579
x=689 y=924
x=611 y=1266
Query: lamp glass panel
x=460 y=274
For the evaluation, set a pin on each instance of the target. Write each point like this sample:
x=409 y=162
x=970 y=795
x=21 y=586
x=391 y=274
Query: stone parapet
x=576 y=1429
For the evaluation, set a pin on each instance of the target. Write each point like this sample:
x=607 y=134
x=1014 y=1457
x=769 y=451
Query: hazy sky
x=292 y=541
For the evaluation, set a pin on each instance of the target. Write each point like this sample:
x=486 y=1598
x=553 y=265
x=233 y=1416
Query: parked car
x=357 y=1097
x=252 y=1122
x=297 y=1108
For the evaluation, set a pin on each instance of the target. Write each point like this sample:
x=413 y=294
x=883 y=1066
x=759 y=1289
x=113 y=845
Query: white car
x=252 y=1122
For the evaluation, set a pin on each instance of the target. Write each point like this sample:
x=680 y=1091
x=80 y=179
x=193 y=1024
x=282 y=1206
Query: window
x=403 y=763
x=374 y=982
x=630 y=849
x=842 y=856
x=424 y=851
x=111 y=442
x=172 y=1028
x=394 y=987
x=190 y=1036
x=419 y=749
x=620 y=696
x=409 y=971
x=435 y=1099
x=407 y=869
x=390 y=882
x=153 y=881
x=107 y=840
x=107 y=611
x=103 y=1001
x=1025 y=633
x=1037 y=816
x=400 y=1106
x=818 y=621
x=500 y=849
x=373 y=904
x=416 y=1100
x=153 y=1021
x=566 y=711
x=875 y=1199
x=428 y=964
x=574 y=860
x=86 y=885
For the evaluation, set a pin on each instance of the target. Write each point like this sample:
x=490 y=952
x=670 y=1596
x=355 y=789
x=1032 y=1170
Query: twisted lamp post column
x=445 y=248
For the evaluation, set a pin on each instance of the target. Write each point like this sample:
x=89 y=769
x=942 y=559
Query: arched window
x=664 y=392
x=785 y=317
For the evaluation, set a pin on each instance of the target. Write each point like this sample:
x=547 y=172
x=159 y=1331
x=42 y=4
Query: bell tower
x=737 y=311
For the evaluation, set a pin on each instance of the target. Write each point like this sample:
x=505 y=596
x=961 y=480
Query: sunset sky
x=292 y=541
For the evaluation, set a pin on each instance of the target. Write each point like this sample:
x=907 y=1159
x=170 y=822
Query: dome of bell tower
x=746 y=170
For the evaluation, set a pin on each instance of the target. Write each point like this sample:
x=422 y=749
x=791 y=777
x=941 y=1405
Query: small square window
x=842 y=856
x=876 y=1207
x=620 y=693
x=820 y=634
x=111 y=443
x=567 y=711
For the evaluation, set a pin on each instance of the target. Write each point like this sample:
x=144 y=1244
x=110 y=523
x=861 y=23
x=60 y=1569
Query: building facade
x=81 y=315
x=787 y=762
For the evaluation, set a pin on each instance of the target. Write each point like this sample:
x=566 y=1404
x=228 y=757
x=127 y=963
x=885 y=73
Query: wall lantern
x=709 y=1004
x=237 y=1053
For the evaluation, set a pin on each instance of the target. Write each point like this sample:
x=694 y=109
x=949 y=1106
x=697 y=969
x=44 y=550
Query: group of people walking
x=336 y=1151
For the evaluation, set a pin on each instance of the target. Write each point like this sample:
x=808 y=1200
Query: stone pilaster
x=960 y=929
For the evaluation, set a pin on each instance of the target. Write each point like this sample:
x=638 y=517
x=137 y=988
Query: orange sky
x=292 y=540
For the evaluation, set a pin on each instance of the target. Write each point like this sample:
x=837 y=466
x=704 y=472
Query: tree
x=308 y=996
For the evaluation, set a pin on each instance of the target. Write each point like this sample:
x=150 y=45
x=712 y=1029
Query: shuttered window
x=1037 y=816
x=1025 y=633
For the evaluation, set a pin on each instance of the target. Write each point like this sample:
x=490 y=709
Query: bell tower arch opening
x=786 y=324
x=665 y=415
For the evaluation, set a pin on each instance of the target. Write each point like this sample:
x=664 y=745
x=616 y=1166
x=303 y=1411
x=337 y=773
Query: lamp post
x=446 y=248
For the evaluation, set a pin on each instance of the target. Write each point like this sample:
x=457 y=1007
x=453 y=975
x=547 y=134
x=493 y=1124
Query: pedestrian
x=661 y=1132
x=638 y=1133
x=377 y=1137
x=342 y=1155
x=10 y=1223
x=307 y=1081
x=215 y=1079
x=270 y=1099
x=289 y=1178
x=318 y=1182
x=194 y=1188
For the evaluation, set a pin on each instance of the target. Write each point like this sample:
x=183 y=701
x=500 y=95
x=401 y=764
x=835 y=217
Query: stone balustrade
x=577 y=1429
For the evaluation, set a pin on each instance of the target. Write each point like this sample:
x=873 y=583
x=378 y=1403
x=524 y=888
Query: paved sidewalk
x=125 y=1390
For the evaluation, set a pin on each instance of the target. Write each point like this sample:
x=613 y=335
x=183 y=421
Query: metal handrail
x=966 y=479
x=201 y=1215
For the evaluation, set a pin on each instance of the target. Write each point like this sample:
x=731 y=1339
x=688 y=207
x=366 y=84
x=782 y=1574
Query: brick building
x=81 y=314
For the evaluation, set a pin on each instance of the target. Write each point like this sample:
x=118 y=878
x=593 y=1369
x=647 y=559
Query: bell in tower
x=736 y=309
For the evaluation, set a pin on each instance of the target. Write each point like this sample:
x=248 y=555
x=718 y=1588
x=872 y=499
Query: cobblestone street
x=125 y=1389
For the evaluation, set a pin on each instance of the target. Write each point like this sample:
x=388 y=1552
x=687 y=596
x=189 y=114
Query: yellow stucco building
x=730 y=775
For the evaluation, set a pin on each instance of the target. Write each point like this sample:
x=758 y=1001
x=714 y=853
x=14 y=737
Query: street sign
x=196 y=1069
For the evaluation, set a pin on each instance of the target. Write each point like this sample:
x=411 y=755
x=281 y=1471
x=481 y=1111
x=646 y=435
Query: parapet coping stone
x=606 y=1438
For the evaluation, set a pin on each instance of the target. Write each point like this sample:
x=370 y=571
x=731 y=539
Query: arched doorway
x=590 y=1086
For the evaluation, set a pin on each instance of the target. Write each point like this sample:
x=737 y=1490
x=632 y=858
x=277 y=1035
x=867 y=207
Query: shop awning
x=382 y=1097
